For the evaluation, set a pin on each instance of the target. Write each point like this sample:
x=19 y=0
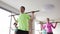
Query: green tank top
x=23 y=21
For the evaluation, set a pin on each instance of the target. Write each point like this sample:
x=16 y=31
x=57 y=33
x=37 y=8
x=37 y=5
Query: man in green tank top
x=23 y=21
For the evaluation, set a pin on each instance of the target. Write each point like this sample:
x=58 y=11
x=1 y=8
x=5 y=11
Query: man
x=48 y=26
x=23 y=22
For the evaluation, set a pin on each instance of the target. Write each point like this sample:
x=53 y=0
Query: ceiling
x=31 y=5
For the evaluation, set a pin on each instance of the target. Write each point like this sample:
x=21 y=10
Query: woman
x=48 y=26
x=43 y=29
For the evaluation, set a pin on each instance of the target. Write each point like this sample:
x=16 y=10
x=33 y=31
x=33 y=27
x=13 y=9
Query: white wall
x=5 y=22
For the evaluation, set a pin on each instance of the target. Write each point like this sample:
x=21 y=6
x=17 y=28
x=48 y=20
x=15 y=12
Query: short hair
x=48 y=18
x=23 y=7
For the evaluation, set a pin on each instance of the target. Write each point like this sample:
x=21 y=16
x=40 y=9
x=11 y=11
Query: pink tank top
x=48 y=27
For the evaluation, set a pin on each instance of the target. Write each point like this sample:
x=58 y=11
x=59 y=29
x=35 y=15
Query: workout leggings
x=49 y=32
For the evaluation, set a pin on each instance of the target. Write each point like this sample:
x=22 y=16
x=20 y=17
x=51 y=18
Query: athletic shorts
x=49 y=32
x=22 y=32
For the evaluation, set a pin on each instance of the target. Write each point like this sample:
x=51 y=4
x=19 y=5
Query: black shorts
x=49 y=32
x=22 y=32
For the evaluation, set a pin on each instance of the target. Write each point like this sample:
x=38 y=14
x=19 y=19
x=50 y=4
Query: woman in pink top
x=48 y=26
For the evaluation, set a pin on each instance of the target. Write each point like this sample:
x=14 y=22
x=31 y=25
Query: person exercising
x=43 y=29
x=23 y=21
x=48 y=26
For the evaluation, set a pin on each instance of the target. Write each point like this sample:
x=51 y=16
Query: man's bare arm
x=14 y=19
x=30 y=23
x=15 y=23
